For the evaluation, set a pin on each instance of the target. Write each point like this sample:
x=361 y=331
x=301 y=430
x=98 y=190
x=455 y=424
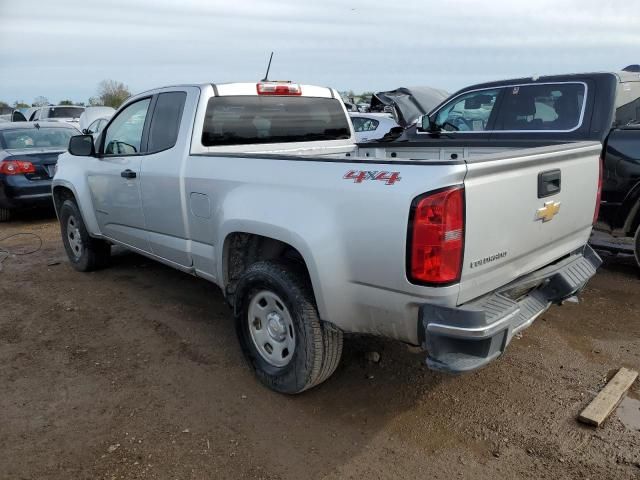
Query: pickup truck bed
x=309 y=241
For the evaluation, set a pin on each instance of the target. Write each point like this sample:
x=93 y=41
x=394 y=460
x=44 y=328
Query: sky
x=62 y=49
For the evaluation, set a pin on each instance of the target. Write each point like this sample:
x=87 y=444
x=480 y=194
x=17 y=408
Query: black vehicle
x=407 y=103
x=28 y=155
x=530 y=112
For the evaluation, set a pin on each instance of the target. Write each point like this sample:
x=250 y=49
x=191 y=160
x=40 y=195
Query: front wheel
x=85 y=253
x=289 y=348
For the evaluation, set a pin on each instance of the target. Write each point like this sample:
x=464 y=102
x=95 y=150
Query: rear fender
x=240 y=219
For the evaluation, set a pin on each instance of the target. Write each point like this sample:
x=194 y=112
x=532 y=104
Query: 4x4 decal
x=359 y=176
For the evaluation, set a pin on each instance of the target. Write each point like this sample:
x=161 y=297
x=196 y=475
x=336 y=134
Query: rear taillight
x=16 y=167
x=436 y=237
x=276 y=88
x=596 y=211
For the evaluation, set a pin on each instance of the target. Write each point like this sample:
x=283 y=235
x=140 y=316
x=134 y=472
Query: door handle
x=549 y=183
x=128 y=174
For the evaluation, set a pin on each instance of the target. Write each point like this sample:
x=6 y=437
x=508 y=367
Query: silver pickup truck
x=259 y=189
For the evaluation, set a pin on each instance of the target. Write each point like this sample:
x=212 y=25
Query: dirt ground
x=135 y=372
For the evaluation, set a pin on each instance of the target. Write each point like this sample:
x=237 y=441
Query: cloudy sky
x=63 y=48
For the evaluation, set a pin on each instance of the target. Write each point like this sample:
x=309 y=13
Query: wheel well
x=243 y=249
x=60 y=194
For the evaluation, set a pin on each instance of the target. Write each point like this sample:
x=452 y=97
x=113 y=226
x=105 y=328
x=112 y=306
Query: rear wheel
x=289 y=348
x=85 y=253
x=5 y=214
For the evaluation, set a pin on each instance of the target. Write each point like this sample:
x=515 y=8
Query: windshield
x=241 y=120
x=44 y=137
x=65 y=112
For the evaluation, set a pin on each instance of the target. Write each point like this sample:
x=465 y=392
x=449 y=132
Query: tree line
x=110 y=93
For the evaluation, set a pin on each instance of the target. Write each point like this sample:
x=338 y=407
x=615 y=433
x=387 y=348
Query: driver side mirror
x=82 y=146
x=428 y=124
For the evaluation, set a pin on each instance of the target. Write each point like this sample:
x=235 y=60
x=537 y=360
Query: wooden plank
x=609 y=398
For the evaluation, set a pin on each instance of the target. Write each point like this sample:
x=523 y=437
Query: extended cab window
x=165 y=122
x=551 y=107
x=238 y=120
x=469 y=112
x=124 y=135
x=361 y=124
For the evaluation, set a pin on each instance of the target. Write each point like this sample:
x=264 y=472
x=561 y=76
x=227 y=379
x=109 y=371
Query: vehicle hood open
x=91 y=114
x=408 y=103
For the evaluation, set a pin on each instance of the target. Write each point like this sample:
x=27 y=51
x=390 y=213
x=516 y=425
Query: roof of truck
x=250 y=88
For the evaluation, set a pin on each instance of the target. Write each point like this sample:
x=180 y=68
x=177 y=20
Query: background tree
x=112 y=93
x=40 y=102
x=65 y=102
x=4 y=104
x=20 y=104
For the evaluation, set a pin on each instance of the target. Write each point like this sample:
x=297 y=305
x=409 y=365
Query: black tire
x=93 y=253
x=318 y=345
x=636 y=246
x=5 y=214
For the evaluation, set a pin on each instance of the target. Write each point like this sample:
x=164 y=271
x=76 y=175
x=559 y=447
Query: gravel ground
x=135 y=372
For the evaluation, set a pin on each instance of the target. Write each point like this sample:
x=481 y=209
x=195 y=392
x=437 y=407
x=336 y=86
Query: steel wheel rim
x=73 y=237
x=271 y=328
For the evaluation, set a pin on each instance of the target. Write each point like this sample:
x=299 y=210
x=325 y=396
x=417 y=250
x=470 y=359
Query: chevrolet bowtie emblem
x=547 y=212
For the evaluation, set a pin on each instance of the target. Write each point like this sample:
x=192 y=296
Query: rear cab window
x=44 y=137
x=244 y=120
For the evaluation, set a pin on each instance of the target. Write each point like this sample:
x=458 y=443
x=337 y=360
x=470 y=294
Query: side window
x=165 y=122
x=124 y=135
x=551 y=107
x=628 y=103
x=362 y=124
x=468 y=113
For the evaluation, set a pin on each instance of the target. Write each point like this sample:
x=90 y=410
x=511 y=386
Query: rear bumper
x=19 y=192
x=468 y=337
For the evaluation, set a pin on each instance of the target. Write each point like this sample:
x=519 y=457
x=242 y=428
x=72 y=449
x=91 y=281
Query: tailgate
x=516 y=221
